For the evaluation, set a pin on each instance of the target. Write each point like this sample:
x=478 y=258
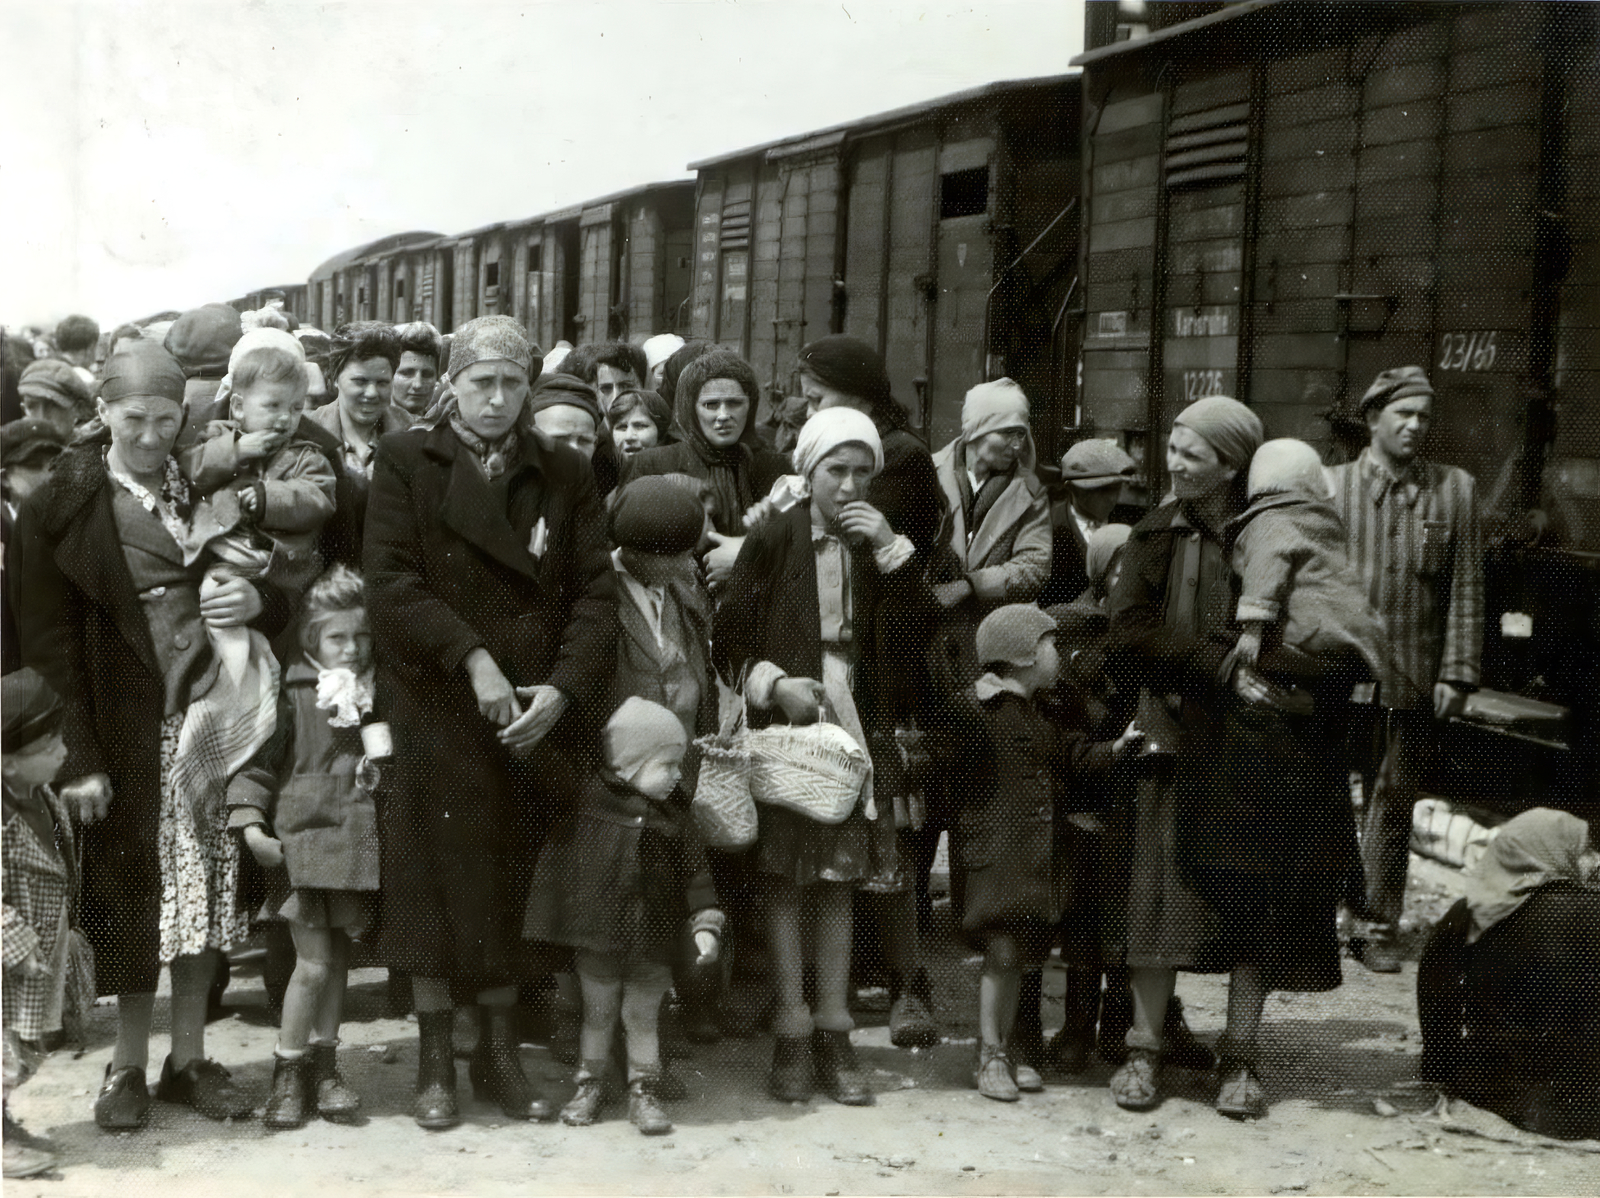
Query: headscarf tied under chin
x=826 y=432
x=994 y=407
x=728 y=467
x=1529 y=851
x=1229 y=427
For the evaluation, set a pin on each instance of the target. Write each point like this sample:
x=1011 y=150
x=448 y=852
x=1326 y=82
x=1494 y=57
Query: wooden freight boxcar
x=943 y=233
x=611 y=268
x=1282 y=199
x=292 y=298
x=356 y=285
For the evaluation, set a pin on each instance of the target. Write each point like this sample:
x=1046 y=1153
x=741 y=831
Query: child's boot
x=496 y=1070
x=584 y=1107
x=838 y=1074
x=293 y=1098
x=435 y=1107
x=644 y=1108
x=791 y=1076
x=911 y=1022
x=335 y=1099
x=1240 y=1094
x=995 y=1079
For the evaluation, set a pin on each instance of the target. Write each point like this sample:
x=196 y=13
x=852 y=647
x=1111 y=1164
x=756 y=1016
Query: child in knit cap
x=40 y=885
x=1302 y=612
x=616 y=883
x=305 y=806
x=1015 y=770
x=265 y=493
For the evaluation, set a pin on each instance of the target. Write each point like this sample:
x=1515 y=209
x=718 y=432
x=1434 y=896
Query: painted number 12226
x=1197 y=384
x=1467 y=351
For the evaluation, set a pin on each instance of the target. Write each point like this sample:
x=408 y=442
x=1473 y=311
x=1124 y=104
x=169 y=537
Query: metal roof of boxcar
x=573 y=211
x=382 y=245
x=1229 y=13
x=834 y=134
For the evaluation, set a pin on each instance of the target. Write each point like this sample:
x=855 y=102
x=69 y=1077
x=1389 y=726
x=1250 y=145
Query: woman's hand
x=800 y=699
x=90 y=795
x=1253 y=688
x=267 y=850
x=546 y=705
x=233 y=602
x=1448 y=701
x=497 y=702
x=720 y=557
x=1132 y=737
x=710 y=947
x=861 y=519
x=951 y=593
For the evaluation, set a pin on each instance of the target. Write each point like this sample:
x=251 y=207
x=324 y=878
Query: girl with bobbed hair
x=639 y=420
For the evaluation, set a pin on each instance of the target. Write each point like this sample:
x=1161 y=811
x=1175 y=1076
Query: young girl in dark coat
x=1013 y=768
x=305 y=808
x=615 y=882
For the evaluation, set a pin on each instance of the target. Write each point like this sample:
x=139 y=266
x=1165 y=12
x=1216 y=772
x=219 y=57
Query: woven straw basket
x=722 y=808
x=816 y=770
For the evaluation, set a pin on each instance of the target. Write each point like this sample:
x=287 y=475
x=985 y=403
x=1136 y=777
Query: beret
x=26 y=439
x=1401 y=382
x=56 y=381
x=29 y=709
x=556 y=390
x=653 y=514
x=1096 y=463
x=202 y=338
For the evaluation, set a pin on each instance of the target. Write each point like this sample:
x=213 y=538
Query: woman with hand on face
x=490 y=589
x=361 y=371
x=715 y=407
x=109 y=612
x=814 y=615
x=418 y=370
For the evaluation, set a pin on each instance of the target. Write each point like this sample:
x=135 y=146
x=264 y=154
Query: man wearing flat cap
x=1413 y=538
x=53 y=392
x=1093 y=473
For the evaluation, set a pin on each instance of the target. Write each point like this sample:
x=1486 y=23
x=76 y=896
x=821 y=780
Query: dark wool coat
x=341 y=535
x=85 y=628
x=620 y=875
x=302 y=785
x=448 y=570
x=1015 y=774
x=1511 y=1023
x=908 y=494
x=766 y=467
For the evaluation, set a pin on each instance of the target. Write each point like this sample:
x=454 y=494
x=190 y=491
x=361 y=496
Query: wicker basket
x=722 y=808
x=816 y=770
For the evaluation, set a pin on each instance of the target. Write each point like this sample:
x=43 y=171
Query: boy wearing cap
x=53 y=392
x=1093 y=473
x=1012 y=769
x=1414 y=543
x=39 y=882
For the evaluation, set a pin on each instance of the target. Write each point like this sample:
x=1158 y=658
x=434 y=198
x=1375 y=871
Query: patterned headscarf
x=493 y=337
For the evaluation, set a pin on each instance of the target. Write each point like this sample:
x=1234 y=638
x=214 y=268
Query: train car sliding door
x=964 y=268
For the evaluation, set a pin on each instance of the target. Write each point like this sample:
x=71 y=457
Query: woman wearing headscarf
x=491 y=593
x=1508 y=986
x=714 y=413
x=813 y=616
x=139 y=642
x=845 y=372
x=1243 y=824
x=360 y=369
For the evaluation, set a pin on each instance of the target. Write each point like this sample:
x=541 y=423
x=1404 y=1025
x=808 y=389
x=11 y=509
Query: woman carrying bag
x=804 y=619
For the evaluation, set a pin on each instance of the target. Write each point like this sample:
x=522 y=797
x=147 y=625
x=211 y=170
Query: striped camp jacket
x=1417 y=548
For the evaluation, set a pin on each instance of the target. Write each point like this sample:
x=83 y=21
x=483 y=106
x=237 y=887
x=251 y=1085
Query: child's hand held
x=710 y=947
x=267 y=851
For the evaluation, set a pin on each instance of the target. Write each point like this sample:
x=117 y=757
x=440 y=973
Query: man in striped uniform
x=1413 y=538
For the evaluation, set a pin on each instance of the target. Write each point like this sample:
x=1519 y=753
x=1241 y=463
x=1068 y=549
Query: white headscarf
x=831 y=428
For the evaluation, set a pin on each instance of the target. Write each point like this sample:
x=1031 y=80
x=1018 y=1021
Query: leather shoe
x=1135 y=1086
x=204 y=1085
x=791 y=1077
x=838 y=1076
x=1240 y=1096
x=124 y=1100
x=644 y=1111
x=1381 y=955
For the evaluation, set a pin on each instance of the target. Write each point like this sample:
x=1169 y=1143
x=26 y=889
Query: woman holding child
x=121 y=625
x=1243 y=822
x=491 y=596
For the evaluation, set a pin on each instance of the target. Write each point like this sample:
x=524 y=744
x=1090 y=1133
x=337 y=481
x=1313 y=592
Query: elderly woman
x=361 y=369
x=1243 y=823
x=639 y=420
x=845 y=372
x=1506 y=991
x=814 y=617
x=418 y=370
x=109 y=612
x=715 y=413
x=490 y=590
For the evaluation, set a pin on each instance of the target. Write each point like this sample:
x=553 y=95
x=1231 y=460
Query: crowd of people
x=440 y=648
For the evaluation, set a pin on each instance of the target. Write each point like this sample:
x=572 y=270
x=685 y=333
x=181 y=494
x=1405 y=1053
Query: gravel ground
x=1349 y=1115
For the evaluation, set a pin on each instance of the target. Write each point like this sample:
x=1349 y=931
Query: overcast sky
x=161 y=154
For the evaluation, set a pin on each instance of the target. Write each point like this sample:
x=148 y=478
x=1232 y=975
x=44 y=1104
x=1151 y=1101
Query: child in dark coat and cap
x=616 y=882
x=1014 y=769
